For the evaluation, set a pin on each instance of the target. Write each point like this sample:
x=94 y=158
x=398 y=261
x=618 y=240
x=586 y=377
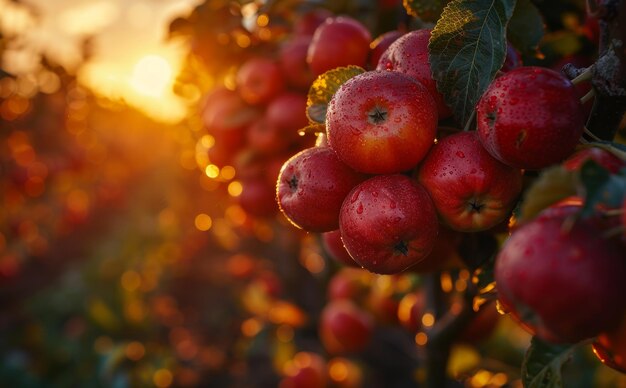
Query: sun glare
x=152 y=75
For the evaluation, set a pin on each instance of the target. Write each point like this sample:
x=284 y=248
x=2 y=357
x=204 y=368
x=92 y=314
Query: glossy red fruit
x=259 y=80
x=409 y=55
x=258 y=198
x=530 y=118
x=470 y=189
x=381 y=122
x=610 y=348
x=380 y=45
x=266 y=138
x=482 y=324
x=339 y=41
x=564 y=282
x=350 y=283
x=288 y=112
x=388 y=223
x=331 y=241
x=344 y=327
x=305 y=370
x=312 y=186
x=444 y=255
x=292 y=59
x=602 y=157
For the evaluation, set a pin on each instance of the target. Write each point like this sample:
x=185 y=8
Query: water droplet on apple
x=460 y=154
x=359 y=208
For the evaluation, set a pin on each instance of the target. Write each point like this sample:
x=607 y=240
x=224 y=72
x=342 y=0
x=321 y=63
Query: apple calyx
x=402 y=247
x=377 y=115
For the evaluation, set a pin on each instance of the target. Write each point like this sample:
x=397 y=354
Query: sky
x=131 y=59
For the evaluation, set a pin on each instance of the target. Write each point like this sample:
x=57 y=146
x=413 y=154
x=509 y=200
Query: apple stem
x=590 y=94
x=470 y=121
x=590 y=134
x=614 y=212
x=585 y=75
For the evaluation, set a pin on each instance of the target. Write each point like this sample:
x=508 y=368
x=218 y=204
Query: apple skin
x=381 y=122
x=388 y=223
x=410 y=311
x=288 y=112
x=482 y=324
x=344 y=327
x=257 y=198
x=265 y=138
x=602 y=157
x=331 y=241
x=306 y=370
x=444 y=255
x=350 y=283
x=409 y=55
x=562 y=285
x=311 y=187
x=292 y=60
x=309 y=22
x=380 y=45
x=530 y=118
x=339 y=41
x=259 y=80
x=471 y=190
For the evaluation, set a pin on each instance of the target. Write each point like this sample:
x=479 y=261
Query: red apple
x=470 y=189
x=388 y=223
x=308 y=22
x=258 y=198
x=339 y=41
x=482 y=324
x=410 y=311
x=266 y=138
x=344 y=327
x=512 y=59
x=603 y=157
x=312 y=186
x=530 y=118
x=305 y=370
x=409 y=55
x=381 y=122
x=380 y=44
x=259 y=80
x=331 y=241
x=560 y=278
x=292 y=59
x=349 y=283
x=444 y=255
x=288 y=113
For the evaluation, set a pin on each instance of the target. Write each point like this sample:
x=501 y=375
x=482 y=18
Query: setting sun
x=152 y=75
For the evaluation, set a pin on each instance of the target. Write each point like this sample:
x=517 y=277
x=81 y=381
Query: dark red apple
x=331 y=241
x=482 y=324
x=292 y=59
x=410 y=311
x=308 y=22
x=312 y=186
x=305 y=370
x=381 y=122
x=258 y=197
x=339 y=41
x=380 y=44
x=470 y=189
x=288 y=112
x=266 y=138
x=388 y=223
x=444 y=255
x=259 y=80
x=610 y=348
x=530 y=118
x=601 y=156
x=409 y=55
x=349 y=283
x=344 y=327
x=560 y=278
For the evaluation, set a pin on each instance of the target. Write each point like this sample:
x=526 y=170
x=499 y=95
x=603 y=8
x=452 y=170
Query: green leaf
x=543 y=363
x=601 y=187
x=323 y=89
x=426 y=10
x=466 y=49
x=554 y=184
x=526 y=27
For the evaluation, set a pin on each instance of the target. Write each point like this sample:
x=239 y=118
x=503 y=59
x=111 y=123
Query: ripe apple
x=331 y=241
x=349 y=283
x=530 y=118
x=259 y=80
x=344 y=327
x=512 y=59
x=444 y=255
x=380 y=44
x=288 y=112
x=470 y=189
x=381 y=122
x=312 y=186
x=564 y=282
x=258 y=198
x=292 y=59
x=601 y=156
x=482 y=324
x=410 y=311
x=339 y=41
x=409 y=55
x=388 y=223
x=266 y=138
x=305 y=370
x=308 y=22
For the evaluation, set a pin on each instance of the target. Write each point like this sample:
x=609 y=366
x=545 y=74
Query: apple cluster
x=386 y=184
x=384 y=177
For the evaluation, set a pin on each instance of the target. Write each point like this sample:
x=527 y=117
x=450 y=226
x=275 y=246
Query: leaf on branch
x=323 y=89
x=526 y=27
x=601 y=187
x=466 y=49
x=543 y=363
x=426 y=10
x=554 y=184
